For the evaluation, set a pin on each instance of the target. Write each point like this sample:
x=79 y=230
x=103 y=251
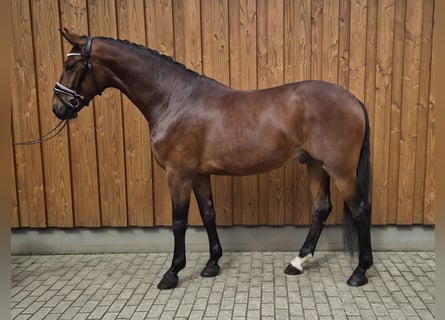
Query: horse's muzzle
x=63 y=112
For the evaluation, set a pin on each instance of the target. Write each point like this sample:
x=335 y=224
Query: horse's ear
x=71 y=37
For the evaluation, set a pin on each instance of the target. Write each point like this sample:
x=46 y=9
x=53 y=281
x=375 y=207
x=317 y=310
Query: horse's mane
x=144 y=50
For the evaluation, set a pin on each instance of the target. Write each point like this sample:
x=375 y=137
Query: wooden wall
x=100 y=172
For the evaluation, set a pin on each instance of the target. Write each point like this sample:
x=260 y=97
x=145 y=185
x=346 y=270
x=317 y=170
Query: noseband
x=77 y=100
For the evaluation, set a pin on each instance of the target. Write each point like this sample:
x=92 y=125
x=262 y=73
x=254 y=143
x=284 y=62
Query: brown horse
x=200 y=127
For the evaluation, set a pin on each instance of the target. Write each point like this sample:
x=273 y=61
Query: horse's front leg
x=180 y=189
x=203 y=192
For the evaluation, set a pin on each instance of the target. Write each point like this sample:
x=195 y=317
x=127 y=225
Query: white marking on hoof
x=298 y=261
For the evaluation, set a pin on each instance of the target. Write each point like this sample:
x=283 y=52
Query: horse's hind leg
x=360 y=209
x=203 y=192
x=320 y=195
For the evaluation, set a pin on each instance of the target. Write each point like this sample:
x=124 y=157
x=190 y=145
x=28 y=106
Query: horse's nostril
x=56 y=109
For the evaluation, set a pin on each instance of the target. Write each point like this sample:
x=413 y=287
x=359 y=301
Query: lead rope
x=48 y=136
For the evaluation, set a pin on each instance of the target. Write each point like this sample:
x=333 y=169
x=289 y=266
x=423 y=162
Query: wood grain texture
x=316 y=38
x=396 y=106
x=422 y=117
x=410 y=110
x=344 y=34
x=357 y=51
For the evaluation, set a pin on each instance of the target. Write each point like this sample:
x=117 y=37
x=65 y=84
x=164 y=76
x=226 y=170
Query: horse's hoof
x=210 y=270
x=169 y=281
x=358 y=278
x=291 y=270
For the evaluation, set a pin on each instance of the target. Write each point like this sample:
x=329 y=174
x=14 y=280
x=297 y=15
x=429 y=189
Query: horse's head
x=78 y=83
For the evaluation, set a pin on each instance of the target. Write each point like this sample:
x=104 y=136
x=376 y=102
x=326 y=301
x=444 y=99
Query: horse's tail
x=363 y=179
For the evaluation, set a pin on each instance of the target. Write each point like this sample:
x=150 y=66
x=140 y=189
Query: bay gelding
x=200 y=127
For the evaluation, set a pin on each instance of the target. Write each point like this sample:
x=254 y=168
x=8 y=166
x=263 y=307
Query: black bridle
x=77 y=100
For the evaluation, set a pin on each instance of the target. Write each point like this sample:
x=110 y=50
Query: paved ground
x=251 y=285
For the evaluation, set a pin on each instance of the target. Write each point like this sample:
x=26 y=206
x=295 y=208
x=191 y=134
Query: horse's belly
x=248 y=163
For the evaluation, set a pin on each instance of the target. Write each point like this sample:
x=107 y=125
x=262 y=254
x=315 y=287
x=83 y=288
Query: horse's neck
x=147 y=81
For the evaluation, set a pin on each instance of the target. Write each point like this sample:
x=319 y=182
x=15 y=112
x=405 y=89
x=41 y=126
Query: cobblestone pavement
x=251 y=285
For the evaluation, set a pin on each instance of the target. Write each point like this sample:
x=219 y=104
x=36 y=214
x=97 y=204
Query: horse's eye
x=69 y=67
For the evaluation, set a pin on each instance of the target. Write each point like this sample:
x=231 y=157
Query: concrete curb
x=160 y=239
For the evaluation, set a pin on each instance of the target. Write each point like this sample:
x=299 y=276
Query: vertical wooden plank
x=109 y=133
x=410 y=109
x=316 y=38
x=396 y=105
x=431 y=155
x=25 y=120
x=357 y=53
x=329 y=72
x=131 y=26
x=271 y=73
x=59 y=206
x=297 y=57
x=422 y=120
x=215 y=40
x=159 y=25
x=215 y=57
x=344 y=30
x=330 y=24
x=15 y=221
x=243 y=36
x=187 y=32
x=297 y=26
x=82 y=139
x=381 y=120
x=243 y=75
